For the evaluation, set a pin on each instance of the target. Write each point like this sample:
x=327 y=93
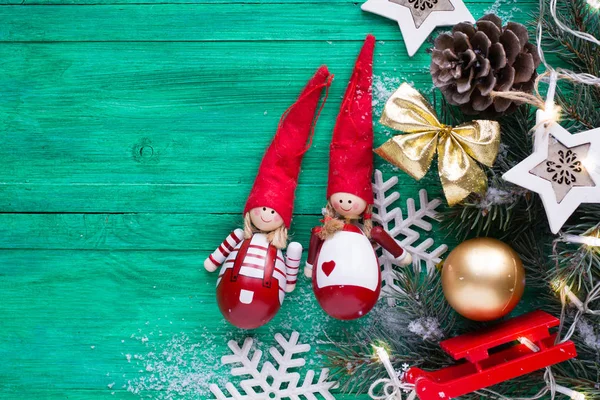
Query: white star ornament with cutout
x=564 y=170
x=418 y=18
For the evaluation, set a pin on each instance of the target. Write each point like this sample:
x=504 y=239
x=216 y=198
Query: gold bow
x=458 y=147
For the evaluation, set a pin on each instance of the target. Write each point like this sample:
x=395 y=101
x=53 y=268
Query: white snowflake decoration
x=402 y=230
x=271 y=382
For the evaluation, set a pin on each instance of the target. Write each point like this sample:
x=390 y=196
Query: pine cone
x=476 y=59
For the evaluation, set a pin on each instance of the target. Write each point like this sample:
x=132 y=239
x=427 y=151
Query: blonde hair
x=277 y=238
x=368 y=222
x=334 y=222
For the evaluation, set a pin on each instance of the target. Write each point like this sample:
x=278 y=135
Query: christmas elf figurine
x=347 y=276
x=255 y=277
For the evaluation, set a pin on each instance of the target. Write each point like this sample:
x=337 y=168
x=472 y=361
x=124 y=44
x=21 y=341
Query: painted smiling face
x=265 y=219
x=348 y=205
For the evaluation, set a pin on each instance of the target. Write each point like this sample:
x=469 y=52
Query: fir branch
x=573 y=101
x=506 y=210
x=578 y=102
x=578 y=265
x=355 y=366
x=533 y=253
x=513 y=214
x=420 y=297
x=578 y=54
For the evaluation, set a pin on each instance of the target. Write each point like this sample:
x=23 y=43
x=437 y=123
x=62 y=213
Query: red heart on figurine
x=328 y=267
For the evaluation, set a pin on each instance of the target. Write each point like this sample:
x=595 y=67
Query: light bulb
x=556 y=284
x=561 y=286
x=574 y=299
x=552 y=114
x=591 y=241
x=570 y=392
x=594 y=3
x=529 y=344
x=383 y=355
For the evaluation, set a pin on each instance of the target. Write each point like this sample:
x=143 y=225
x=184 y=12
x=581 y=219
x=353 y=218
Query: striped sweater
x=285 y=271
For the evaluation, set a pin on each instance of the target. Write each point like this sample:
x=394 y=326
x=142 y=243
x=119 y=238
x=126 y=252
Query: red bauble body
x=252 y=283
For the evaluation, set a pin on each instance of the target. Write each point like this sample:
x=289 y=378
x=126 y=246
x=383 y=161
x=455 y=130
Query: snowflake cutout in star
x=401 y=229
x=269 y=382
x=420 y=9
x=564 y=168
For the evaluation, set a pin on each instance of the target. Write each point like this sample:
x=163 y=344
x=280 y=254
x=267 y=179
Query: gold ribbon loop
x=459 y=148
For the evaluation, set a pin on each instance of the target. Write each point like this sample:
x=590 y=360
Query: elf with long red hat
x=254 y=277
x=346 y=275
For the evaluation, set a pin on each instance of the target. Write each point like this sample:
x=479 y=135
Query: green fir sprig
x=516 y=216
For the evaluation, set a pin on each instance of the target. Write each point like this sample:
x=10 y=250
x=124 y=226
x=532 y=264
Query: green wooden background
x=131 y=133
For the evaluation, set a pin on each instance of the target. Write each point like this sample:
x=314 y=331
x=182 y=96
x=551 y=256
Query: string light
x=384 y=357
x=529 y=344
x=563 y=288
x=574 y=299
x=594 y=4
x=574 y=395
x=591 y=241
x=551 y=114
x=392 y=387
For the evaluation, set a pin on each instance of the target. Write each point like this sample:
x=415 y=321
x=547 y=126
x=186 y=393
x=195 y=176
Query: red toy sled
x=482 y=369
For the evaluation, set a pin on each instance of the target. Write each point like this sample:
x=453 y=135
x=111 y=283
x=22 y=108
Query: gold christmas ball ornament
x=483 y=279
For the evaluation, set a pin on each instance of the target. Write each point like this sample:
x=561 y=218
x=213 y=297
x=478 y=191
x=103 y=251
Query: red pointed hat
x=277 y=176
x=351 y=150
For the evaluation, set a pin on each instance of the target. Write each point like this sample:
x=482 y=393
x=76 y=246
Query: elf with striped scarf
x=341 y=260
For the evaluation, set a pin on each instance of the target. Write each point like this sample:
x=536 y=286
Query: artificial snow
x=428 y=328
x=383 y=88
x=189 y=360
x=503 y=9
x=270 y=382
x=401 y=228
x=495 y=196
x=175 y=369
x=589 y=336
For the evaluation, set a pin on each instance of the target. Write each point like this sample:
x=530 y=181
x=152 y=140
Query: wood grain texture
x=132 y=131
x=98 y=118
x=75 y=316
x=155 y=2
x=318 y=21
x=183 y=232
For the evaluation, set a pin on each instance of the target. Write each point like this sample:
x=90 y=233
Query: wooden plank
x=114 y=198
x=320 y=21
x=165 y=198
x=139 y=110
x=189 y=232
x=469 y=3
x=98 y=113
x=139 y=231
x=95 y=127
x=70 y=319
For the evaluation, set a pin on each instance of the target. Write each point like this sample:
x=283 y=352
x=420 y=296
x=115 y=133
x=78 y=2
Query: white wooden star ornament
x=418 y=18
x=564 y=170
